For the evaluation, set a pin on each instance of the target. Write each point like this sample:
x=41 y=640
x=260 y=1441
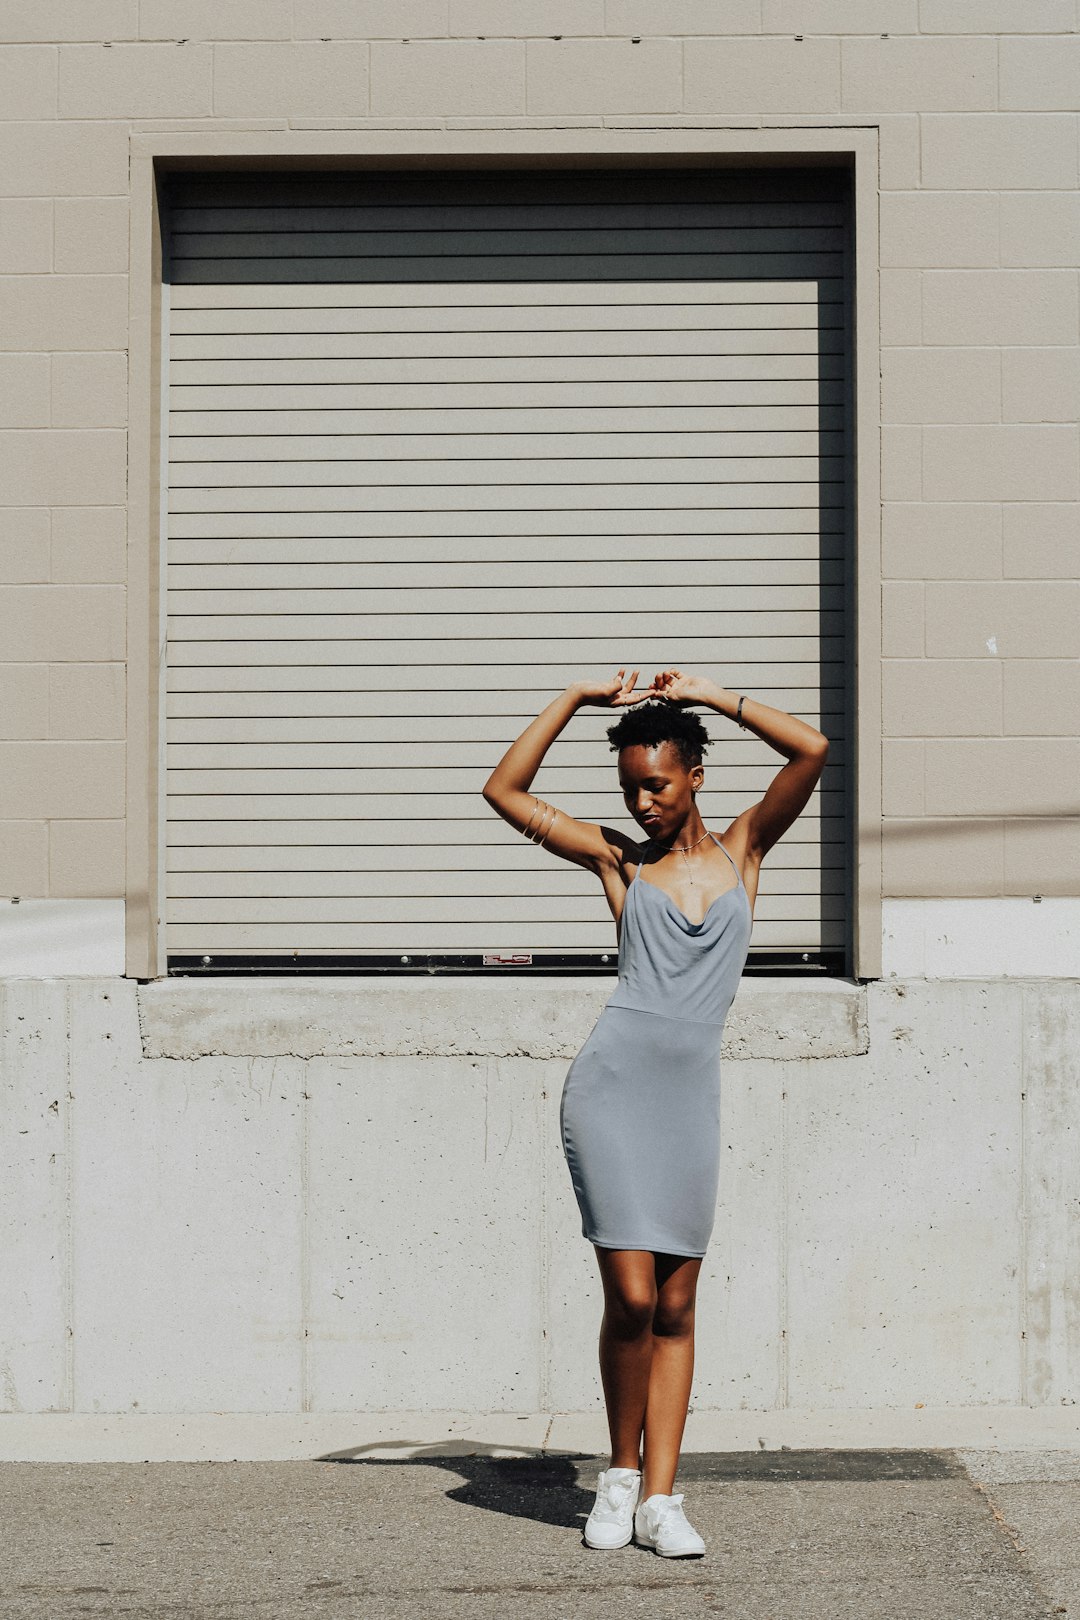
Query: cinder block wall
x=976 y=101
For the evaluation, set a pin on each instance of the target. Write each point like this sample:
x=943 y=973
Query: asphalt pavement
x=790 y=1535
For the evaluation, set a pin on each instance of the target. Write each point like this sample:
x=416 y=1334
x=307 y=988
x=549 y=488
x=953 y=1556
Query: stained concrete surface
x=790 y=1535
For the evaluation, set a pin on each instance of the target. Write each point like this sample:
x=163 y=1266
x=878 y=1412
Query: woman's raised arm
x=806 y=748
x=507 y=788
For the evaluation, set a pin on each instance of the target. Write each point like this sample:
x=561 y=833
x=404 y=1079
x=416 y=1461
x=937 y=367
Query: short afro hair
x=656 y=722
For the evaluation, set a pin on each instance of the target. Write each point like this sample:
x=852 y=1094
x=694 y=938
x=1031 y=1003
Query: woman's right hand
x=616 y=693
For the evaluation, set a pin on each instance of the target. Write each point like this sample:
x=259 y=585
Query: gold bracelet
x=538 y=836
x=536 y=805
x=551 y=828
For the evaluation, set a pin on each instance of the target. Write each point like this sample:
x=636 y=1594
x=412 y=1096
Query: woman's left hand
x=616 y=693
x=676 y=686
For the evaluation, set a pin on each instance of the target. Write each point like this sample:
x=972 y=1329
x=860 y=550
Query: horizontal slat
x=431 y=841
x=520 y=394
x=441 y=838
x=324 y=780
x=255 y=723
x=444 y=473
x=234 y=347
x=552 y=193
x=523 y=268
x=334 y=494
x=636 y=619
x=622 y=550
x=378 y=895
x=462 y=377
x=545 y=192
x=510 y=419
x=355 y=236
x=577 y=448
x=607 y=608
x=246 y=939
x=512 y=318
x=534 y=576
x=429 y=684
x=363 y=187
x=398 y=911
x=428 y=726
x=360 y=806
x=512 y=869
x=618 y=524
x=677 y=650
x=537 y=215
x=528 y=499
x=318 y=757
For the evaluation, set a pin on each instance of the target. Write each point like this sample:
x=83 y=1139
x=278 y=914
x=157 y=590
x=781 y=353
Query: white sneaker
x=660 y=1523
x=611 y=1522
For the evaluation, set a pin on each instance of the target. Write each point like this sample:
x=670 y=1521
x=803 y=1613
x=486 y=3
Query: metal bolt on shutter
x=439 y=444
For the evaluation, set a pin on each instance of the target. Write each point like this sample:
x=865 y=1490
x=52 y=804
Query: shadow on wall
x=909 y=827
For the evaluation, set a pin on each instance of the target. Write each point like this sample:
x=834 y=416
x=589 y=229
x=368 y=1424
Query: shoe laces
x=672 y=1510
x=613 y=1497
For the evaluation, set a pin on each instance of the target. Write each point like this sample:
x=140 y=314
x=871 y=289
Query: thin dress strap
x=716 y=841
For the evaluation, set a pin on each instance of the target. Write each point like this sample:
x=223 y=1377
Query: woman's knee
x=674 y=1317
x=629 y=1312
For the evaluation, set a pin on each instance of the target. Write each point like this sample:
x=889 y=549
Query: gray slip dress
x=640 y=1109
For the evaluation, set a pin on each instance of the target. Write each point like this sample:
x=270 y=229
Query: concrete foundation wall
x=369 y=1227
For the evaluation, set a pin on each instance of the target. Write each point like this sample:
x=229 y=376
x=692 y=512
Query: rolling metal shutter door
x=439 y=444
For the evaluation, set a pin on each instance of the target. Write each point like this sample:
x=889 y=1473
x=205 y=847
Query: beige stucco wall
x=979 y=242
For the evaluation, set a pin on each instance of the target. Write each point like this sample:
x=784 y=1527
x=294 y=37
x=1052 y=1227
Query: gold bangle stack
x=536 y=836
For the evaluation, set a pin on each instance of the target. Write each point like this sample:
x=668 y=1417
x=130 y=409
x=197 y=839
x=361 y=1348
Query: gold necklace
x=683 y=852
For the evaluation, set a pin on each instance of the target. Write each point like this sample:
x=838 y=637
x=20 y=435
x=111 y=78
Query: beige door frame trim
x=156 y=151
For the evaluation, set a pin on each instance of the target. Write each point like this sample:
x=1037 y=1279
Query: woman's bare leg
x=626 y=1346
x=671 y=1371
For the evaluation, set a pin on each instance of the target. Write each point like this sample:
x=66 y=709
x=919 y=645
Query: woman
x=639 y=1115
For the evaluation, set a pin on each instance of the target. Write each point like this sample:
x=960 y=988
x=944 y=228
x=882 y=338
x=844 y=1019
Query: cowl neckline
x=694 y=927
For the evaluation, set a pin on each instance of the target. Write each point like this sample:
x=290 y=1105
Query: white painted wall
x=1011 y=936
x=1031 y=936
